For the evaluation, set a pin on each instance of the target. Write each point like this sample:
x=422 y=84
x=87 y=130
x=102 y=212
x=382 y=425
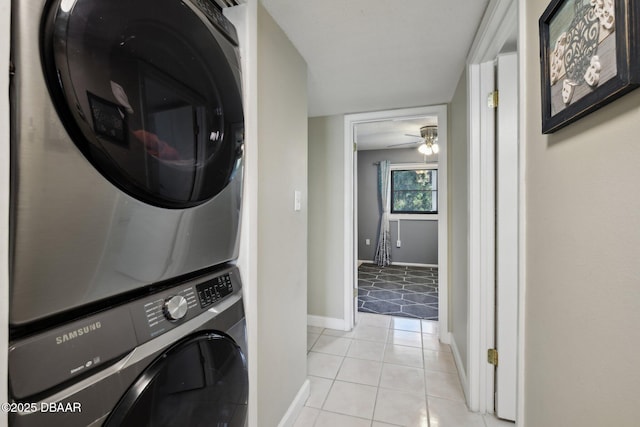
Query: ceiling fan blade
x=412 y=135
x=405 y=143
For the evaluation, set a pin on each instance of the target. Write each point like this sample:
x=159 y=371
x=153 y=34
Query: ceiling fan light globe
x=435 y=148
x=425 y=149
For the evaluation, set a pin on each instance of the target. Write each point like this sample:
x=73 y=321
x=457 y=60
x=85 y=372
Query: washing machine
x=173 y=358
x=127 y=152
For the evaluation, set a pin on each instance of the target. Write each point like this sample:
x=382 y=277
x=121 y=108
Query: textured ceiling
x=390 y=134
x=366 y=55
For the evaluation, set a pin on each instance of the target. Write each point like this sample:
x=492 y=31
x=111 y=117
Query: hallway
x=388 y=371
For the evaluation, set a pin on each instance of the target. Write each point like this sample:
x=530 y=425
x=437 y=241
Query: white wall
x=459 y=210
x=582 y=308
x=282 y=233
x=5 y=8
x=326 y=218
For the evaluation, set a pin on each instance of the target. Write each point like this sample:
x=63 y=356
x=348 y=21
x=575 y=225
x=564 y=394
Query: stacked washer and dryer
x=127 y=166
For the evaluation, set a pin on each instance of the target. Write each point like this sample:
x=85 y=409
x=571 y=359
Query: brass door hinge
x=492 y=356
x=355 y=147
x=355 y=292
x=492 y=99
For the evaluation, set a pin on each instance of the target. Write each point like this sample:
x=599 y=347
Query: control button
x=175 y=307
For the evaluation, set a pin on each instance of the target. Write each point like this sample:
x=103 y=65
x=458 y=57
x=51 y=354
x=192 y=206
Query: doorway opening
x=362 y=132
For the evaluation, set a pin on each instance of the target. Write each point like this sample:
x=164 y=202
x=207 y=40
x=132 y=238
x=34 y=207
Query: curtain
x=383 y=251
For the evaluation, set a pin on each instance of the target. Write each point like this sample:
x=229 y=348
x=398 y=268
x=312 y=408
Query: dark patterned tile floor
x=398 y=291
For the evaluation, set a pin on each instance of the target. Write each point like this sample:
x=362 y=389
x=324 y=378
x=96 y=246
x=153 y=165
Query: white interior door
x=507 y=236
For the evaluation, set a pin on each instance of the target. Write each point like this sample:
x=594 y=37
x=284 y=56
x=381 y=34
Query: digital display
x=214 y=290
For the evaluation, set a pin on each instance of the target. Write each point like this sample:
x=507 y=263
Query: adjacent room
x=397 y=217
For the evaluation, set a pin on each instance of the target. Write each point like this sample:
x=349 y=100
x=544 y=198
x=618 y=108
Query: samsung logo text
x=77 y=333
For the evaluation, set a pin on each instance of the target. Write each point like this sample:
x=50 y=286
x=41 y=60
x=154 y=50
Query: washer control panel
x=175 y=307
x=84 y=345
x=170 y=308
x=214 y=290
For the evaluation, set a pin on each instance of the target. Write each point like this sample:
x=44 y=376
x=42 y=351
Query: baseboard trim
x=458 y=360
x=406 y=264
x=414 y=264
x=290 y=417
x=326 y=322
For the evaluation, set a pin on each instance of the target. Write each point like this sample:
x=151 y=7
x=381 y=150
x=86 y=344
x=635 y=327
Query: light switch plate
x=297 y=200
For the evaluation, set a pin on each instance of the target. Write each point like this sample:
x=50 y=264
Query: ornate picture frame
x=590 y=56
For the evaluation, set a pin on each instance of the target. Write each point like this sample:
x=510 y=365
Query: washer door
x=149 y=92
x=201 y=381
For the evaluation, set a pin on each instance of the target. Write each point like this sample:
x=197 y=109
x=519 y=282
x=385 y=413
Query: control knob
x=175 y=307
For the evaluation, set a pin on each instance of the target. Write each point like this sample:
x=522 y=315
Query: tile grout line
x=375 y=401
x=426 y=385
x=333 y=381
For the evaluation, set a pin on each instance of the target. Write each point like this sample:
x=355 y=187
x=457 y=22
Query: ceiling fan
x=428 y=140
x=406 y=143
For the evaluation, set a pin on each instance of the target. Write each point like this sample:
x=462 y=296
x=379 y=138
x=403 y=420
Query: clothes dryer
x=127 y=152
x=174 y=358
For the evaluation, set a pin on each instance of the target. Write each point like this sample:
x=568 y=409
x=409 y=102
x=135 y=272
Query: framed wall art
x=590 y=55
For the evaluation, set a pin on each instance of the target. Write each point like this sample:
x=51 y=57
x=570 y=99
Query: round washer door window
x=201 y=381
x=149 y=91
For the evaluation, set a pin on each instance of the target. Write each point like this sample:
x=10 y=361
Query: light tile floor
x=388 y=371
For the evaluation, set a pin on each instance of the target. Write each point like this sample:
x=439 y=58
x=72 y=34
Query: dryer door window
x=201 y=381
x=150 y=93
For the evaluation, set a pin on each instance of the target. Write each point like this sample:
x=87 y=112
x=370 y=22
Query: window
x=414 y=191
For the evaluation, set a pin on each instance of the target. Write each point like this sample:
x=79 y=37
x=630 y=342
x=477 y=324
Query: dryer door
x=149 y=92
x=201 y=381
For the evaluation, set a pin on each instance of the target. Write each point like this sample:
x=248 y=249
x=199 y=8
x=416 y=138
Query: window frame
x=412 y=216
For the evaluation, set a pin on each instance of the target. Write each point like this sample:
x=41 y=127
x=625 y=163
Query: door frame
x=500 y=21
x=5 y=155
x=350 y=203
